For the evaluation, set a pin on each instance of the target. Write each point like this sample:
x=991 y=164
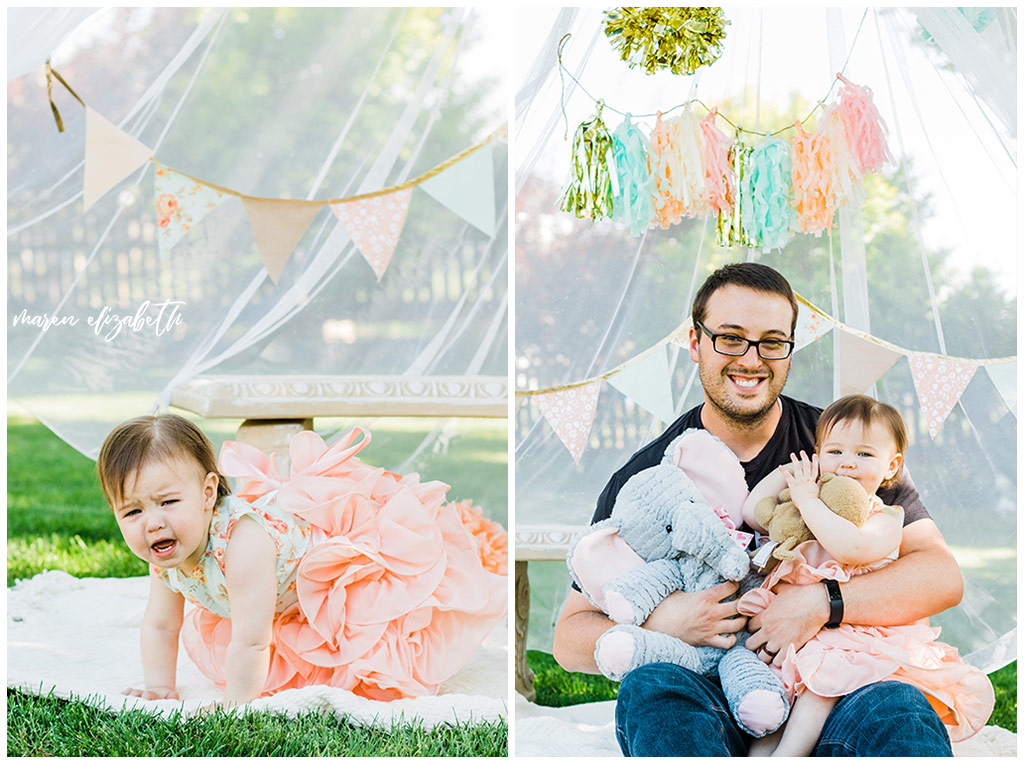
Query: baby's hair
x=144 y=439
x=867 y=411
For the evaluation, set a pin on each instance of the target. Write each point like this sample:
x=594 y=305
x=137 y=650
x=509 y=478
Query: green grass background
x=557 y=687
x=57 y=519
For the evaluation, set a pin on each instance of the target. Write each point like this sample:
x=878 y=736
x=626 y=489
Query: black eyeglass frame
x=756 y=343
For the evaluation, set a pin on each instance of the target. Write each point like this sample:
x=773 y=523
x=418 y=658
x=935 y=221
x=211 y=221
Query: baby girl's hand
x=801 y=475
x=152 y=693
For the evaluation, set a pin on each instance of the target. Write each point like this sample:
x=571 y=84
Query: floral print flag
x=375 y=225
x=939 y=382
x=181 y=203
x=571 y=415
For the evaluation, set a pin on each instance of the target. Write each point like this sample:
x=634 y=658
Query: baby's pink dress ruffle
x=838 y=661
x=392 y=596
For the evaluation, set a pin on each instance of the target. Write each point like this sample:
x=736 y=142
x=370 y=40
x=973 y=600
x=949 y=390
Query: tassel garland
x=731 y=229
x=718 y=178
x=865 y=129
x=839 y=166
x=593 y=183
x=767 y=195
x=689 y=168
x=812 y=207
x=633 y=205
x=677 y=169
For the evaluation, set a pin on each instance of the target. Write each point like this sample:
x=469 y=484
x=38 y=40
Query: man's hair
x=146 y=439
x=867 y=411
x=750 y=275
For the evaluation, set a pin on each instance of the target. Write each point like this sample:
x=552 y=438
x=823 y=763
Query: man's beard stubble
x=740 y=416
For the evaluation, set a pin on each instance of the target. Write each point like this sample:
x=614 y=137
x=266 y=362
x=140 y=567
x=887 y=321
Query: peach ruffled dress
x=384 y=589
x=838 y=661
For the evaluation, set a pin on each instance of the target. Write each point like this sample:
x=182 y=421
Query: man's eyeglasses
x=731 y=344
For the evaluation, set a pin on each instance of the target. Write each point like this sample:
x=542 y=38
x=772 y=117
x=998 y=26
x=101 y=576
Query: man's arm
x=924 y=581
x=697 y=618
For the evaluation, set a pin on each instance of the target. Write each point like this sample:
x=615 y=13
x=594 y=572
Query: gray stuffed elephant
x=664 y=535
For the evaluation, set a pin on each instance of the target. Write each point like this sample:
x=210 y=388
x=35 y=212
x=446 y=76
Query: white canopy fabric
x=273 y=103
x=922 y=274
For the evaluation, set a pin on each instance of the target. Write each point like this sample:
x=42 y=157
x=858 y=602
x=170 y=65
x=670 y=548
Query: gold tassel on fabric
x=50 y=74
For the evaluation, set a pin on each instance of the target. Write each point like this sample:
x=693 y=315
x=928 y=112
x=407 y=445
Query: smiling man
x=744 y=318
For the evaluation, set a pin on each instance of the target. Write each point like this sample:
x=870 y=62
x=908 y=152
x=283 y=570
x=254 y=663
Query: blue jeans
x=666 y=710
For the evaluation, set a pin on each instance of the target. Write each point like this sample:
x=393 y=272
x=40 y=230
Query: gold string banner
x=52 y=73
x=814 y=308
x=500 y=133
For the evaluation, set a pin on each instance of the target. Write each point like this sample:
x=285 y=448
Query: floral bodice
x=206 y=585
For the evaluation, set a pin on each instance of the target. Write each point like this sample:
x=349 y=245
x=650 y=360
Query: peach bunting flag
x=375 y=225
x=111 y=155
x=571 y=414
x=939 y=383
x=862 y=363
x=278 y=225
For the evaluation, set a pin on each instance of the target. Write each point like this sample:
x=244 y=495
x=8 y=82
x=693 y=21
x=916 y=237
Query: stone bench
x=276 y=407
x=533 y=542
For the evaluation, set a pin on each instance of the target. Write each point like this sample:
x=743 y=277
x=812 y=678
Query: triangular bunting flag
x=1004 y=377
x=646 y=383
x=571 y=414
x=111 y=155
x=939 y=383
x=278 y=226
x=861 y=363
x=181 y=203
x=375 y=224
x=467 y=189
x=810 y=326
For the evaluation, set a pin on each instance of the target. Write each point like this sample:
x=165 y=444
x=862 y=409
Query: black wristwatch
x=835 y=603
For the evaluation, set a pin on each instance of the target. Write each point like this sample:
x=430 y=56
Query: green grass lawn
x=57 y=519
x=558 y=687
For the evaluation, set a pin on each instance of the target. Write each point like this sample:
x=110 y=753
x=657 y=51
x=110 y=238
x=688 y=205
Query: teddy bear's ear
x=596 y=557
x=714 y=469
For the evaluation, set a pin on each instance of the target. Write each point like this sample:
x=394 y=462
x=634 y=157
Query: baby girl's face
x=867 y=454
x=165 y=514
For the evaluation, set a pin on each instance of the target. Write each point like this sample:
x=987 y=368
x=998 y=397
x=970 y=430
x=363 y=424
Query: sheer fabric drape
x=934 y=233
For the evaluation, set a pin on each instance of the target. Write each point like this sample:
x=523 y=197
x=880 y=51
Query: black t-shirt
x=794 y=433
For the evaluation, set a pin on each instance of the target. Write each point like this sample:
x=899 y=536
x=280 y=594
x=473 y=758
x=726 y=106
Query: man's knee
x=664 y=709
x=885 y=718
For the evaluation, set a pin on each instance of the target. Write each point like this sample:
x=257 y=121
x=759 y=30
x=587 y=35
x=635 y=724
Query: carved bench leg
x=524 y=676
x=273 y=436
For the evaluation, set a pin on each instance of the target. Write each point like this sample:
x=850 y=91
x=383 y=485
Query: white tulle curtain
x=589 y=296
x=299 y=103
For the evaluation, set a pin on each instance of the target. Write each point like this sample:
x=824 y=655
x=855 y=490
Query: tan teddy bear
x=843 y=495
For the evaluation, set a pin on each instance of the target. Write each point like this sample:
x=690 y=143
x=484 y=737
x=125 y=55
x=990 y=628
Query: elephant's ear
x=713 y=468
x=598 y=556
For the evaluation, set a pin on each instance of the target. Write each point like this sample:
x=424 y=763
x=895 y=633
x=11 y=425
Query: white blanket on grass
x=79 y=637
x=588 y=731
